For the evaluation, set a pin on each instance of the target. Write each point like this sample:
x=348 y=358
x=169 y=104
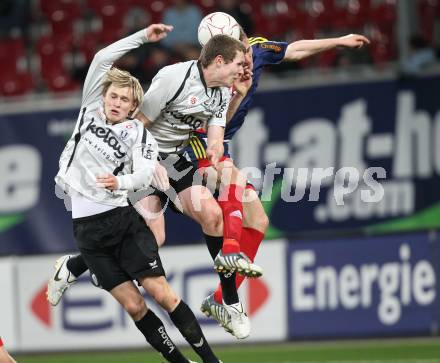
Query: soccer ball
x=217 y=23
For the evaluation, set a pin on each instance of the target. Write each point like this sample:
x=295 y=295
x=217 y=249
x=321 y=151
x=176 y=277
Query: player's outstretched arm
x=305 y=48
x=215 y=148
x=104 y=59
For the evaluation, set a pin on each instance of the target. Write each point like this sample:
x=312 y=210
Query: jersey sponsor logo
x=166 y=339
x=148 y=152
x=219 y=113
x=271 y=46
x=189 y=120
x=106 y=136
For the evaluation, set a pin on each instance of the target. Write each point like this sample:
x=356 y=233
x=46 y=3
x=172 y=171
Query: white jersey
x=179 y=102
x=126 y=149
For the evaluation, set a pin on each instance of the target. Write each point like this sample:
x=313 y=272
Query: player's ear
x=219 y=60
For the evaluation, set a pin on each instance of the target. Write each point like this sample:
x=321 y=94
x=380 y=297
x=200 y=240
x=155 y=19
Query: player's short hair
x=121 y=79
x=223 y=45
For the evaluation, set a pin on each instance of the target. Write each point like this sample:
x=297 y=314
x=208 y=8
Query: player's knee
x=164 y=296
x=262 y=222
x=258 y=221
x=135 y=307
x=213 y=220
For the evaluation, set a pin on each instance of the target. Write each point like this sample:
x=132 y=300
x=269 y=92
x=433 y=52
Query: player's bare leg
x=4 y=356
x=150 y=208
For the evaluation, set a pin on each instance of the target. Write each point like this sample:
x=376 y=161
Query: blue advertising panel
x=308 y=141
x=382 y=286
x=312 y=149
x=32 y=218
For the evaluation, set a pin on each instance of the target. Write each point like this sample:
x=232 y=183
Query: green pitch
x=371 y=351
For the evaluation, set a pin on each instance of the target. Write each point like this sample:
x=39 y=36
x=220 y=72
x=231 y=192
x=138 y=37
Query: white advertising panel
x=8 y=312
x=89 y=318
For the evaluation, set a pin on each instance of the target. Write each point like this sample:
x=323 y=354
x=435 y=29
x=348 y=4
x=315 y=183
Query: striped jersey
x=179 y=102
x=126 y=149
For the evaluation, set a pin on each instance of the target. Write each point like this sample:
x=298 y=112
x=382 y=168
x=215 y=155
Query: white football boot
x=240 y=323
x=60 y=281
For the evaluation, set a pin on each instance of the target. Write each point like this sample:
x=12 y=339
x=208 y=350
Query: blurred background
x=368 y=267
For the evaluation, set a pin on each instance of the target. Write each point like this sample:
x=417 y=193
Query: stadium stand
x=64 y=34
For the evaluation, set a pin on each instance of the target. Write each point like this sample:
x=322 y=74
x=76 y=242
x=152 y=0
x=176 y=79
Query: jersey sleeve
x=145 y=152
x=219 y=118
x=268 y=51
x=163 y=87
x=103 y=61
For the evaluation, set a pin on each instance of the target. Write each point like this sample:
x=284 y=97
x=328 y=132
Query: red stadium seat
x=47 y=45
x=384 y=15
x=429 y=11
x=112 y=15
x=12 y=51
x=327 y=59
x=15 y=84
x=60 y=81
x=62 y=20
x=52 y=53
x=382 y=46
x=88 y=45
x=207 y=6
x=156 y=9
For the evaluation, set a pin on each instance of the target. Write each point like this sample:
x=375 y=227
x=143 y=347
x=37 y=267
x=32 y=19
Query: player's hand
x=214 y=154
x=156 y=32
x=160 y=178
x=242 y=85
x=108 y=181
x=353 y=41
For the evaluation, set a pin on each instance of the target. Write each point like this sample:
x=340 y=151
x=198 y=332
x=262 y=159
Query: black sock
x=76 y=265
x=185 y=320
x=229 y=289
x=154 y=332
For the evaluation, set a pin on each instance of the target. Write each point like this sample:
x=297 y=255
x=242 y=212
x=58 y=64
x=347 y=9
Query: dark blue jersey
x=265 y=52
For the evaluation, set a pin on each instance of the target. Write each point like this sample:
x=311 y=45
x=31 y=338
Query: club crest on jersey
x=193 y=100
x=129 y=126
x=123 y=135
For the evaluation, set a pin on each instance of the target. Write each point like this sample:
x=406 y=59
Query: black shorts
x=181 y=172
x=117 y=246
x=182 y=175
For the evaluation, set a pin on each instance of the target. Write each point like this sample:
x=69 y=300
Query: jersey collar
x=199 y=67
